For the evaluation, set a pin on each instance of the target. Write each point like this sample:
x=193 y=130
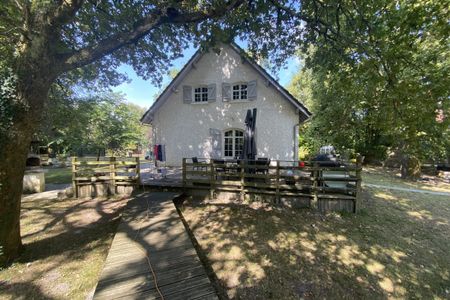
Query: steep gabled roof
x=148 y=116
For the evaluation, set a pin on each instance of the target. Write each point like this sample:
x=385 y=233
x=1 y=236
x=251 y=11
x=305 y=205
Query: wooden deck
x=151 y=178
x=151 y=240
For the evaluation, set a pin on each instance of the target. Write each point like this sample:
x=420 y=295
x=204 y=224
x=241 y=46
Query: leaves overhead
x=380 y=80
x=149 y=35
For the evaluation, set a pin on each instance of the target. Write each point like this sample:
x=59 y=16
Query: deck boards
x=152 y=227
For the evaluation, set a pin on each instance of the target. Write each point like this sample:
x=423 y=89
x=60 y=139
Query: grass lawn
x=58 y=175
x=391 y=177
x=397 y=247
x=66 y=243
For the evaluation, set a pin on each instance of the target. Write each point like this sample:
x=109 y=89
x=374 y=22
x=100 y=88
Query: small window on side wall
x=240 y=91
x=201 y=94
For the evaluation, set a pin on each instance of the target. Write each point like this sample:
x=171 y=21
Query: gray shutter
x=216 y=140
x=212 y=92
x=251 y=86
x=187 y=94
x=226 y=91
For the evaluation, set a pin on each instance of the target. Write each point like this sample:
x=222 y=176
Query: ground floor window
x=234 y=143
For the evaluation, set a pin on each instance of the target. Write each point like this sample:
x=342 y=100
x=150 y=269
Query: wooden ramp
x=152 y=250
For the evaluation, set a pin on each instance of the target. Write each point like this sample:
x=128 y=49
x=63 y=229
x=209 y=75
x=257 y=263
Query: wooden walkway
x=151 y=240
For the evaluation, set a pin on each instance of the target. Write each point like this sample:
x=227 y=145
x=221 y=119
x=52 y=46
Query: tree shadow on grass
x=16 y=291
x=63 y=240
x=384 y=251
x=62 y=235
x=67 y=231
x=56 y=216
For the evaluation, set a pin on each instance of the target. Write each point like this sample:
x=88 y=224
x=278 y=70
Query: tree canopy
x=102 y=121
x=383 y=85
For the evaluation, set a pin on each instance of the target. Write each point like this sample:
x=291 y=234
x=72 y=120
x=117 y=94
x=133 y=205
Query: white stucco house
x=201 y=112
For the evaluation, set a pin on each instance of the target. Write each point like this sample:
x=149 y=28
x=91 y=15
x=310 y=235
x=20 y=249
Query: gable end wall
x=185 y=128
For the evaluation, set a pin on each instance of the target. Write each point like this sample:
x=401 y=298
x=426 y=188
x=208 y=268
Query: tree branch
x=144 y=26
x=316 y=23
x=65 y=11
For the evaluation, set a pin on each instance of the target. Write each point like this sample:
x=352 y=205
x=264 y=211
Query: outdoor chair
x=262 y=161
x=199 y=168
x=219 y=162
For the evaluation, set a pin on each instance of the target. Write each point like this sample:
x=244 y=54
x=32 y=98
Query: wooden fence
x=281 y=182
x=92 y=176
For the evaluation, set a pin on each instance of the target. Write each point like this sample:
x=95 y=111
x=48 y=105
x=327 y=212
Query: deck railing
x=112 y=172
x=279 y=179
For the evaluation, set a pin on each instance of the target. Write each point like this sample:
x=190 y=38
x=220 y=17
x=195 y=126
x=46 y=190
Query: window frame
x=241 y=91
x=232 y=140
x=202 y=94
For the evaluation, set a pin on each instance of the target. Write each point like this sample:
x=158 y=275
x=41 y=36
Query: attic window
x=201 y=94
x=240 y=91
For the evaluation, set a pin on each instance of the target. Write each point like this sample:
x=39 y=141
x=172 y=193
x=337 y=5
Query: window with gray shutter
x=240 y=91
x=187 y=94
x=226 y=91
x=212 y=92
x=201 y=94
x=216 y=140
x=251 y=90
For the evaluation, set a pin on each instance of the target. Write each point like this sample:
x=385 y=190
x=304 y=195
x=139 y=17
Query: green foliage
x=382 y=83
x=148 y=34
x=10 y=105
x=91 y=123
x=7 y=97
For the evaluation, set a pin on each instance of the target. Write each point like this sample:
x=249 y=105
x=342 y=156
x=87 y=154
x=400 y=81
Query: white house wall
x=184 y=128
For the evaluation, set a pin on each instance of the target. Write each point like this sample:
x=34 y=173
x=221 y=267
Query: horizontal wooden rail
x=277 y=178
x=111 y=171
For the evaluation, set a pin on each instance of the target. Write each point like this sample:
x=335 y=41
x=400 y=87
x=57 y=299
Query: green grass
x=66 y=243
x=58 y=175
x=391 y=178
x=396 y=247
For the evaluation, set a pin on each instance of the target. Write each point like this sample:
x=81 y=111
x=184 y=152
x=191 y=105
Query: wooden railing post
x=277 y=194
x=184 y=173
x=74 y=174
x=358 y=183
x=315 y=198
x=112 y=174
x=242 y=178
x=138 y=171
x=211 y=180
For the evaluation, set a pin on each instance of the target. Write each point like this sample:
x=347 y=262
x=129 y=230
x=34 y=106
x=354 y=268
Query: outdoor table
x=231 y=165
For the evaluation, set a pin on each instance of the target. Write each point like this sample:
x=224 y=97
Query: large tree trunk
x=32 y=89
x=410 y=167
x=12 y=166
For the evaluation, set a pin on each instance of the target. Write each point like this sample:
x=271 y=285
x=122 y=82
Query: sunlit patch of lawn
x=66 y=243
x=391 y=178
x=58 y=175
x=395 y=247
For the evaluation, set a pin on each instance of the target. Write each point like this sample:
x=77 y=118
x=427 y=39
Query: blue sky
x=143 y=93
